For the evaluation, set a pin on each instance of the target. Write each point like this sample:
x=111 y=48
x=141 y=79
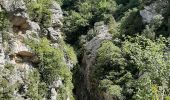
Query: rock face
x=57 y=16
x=17 y=60
x=17 y=47
x=16 y=69
x=88 y=61
x=13 y=5
x=2 y=55
x=17 y=13
x=154 y=9
x=55 y=35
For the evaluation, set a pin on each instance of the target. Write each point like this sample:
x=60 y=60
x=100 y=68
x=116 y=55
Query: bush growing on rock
x=39 y=11
x=52 y=65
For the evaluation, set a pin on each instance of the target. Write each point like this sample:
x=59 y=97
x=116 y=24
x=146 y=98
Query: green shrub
x=131 y=22
x=81 y=16
x=71 y=54
x=33 y=84
x=39 y=12
x=4 y=25
x=167 y=98
x=113 y=27
x=43 y=89
x=52 y=65
x=9 y=66
x=4 y=22
x=4 y=82
x=51 y=59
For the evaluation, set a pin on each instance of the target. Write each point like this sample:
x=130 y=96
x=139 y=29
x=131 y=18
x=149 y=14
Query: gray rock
x=19 y=75
x=19 y=48
x=2 y=55
x=53 y=94
x=16 y=10
x=54 y=34
x=88 y=60
x=56 y=19
x=156 y=8
x=13 y=5
x=1 y=9
x=102 y=34
x=100 y=28
x=56 y=84
x=20 y=54
x=57 y=15
x=54 y=87
x=34 y=27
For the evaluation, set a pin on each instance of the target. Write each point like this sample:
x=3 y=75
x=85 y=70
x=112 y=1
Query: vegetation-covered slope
x=135 y=63
x=122 y=49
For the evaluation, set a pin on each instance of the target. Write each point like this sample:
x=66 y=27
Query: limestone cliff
x=20 y=77
x=86 y=91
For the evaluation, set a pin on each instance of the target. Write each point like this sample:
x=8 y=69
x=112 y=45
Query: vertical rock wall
x=18 y=62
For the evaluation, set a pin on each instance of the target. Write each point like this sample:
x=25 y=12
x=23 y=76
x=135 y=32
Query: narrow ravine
x=84 y=50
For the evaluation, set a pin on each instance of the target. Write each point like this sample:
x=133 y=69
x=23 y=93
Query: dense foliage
x=80 y=16
x=139 y=69
x=52 y=66
x=39 y=11
x=135 y=64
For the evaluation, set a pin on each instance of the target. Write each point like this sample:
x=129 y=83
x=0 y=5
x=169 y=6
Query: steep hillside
x=35 y=61
x=84 y=50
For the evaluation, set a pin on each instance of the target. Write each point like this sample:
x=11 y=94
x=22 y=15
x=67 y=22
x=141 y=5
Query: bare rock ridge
x=88 y=62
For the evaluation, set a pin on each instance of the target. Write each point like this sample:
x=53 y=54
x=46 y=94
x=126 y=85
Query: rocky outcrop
x=56 y=18
x=17 y=14
x=13 y=5
x=57 y=15
x=54 y=87
x=18 y=57
x=34 y=27
x=16 y=70
x=17 y=47
x=88 y=61
x=2 y=55
x=154 y=9
x=55 y=35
